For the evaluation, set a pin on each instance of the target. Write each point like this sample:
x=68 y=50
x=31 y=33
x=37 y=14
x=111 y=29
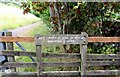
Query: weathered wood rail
x=84 y=60
x=32 y=39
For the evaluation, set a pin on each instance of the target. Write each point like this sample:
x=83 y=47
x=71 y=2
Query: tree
x=95 y=18
x=74 y=17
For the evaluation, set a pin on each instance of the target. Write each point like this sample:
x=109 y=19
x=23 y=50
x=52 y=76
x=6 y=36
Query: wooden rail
x=45 y=74
x=16 y=39
x=32 y=39
x=45 y=64
x=59 y=73
x=103 y=39
x=45 y=55
x=104 y=73
x=61 y=55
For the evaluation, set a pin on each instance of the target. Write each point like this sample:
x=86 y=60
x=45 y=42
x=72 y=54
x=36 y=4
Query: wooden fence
x=84 y=60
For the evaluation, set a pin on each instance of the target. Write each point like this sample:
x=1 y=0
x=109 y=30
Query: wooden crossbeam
x=45 y=74
x=45 y=55
x=16 y=39
x=45 y=64
x=104 y=39
x=32 y=39
x=103 y=63
x=103 y=72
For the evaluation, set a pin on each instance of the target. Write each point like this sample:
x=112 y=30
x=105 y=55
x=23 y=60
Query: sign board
x=60 y=39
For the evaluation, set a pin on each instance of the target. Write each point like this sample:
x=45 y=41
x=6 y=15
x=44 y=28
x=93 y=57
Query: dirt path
x=21 y=31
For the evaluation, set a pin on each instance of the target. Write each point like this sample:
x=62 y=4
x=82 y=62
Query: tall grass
x=12 y=17
x=41 y=29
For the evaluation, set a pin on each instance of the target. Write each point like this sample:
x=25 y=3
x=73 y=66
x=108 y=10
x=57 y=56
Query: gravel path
x=22 y=30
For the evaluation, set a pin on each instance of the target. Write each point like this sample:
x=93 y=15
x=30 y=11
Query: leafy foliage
x=95 y=18
x=74 y=17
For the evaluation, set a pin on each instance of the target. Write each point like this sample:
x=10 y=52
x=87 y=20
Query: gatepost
x=3 y=59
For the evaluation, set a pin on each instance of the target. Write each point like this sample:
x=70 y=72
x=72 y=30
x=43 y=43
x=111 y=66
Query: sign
x=61 y=39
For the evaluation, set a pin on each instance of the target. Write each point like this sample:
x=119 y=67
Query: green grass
x=12 y=17
x=30 y=46
x=41 y=29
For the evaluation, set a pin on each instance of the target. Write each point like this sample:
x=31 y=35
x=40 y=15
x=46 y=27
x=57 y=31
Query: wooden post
x=39 y=60
x=83 y=49
x=10 y=46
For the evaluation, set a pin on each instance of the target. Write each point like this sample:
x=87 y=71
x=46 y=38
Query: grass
x=41 y=29
x=12 y=17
